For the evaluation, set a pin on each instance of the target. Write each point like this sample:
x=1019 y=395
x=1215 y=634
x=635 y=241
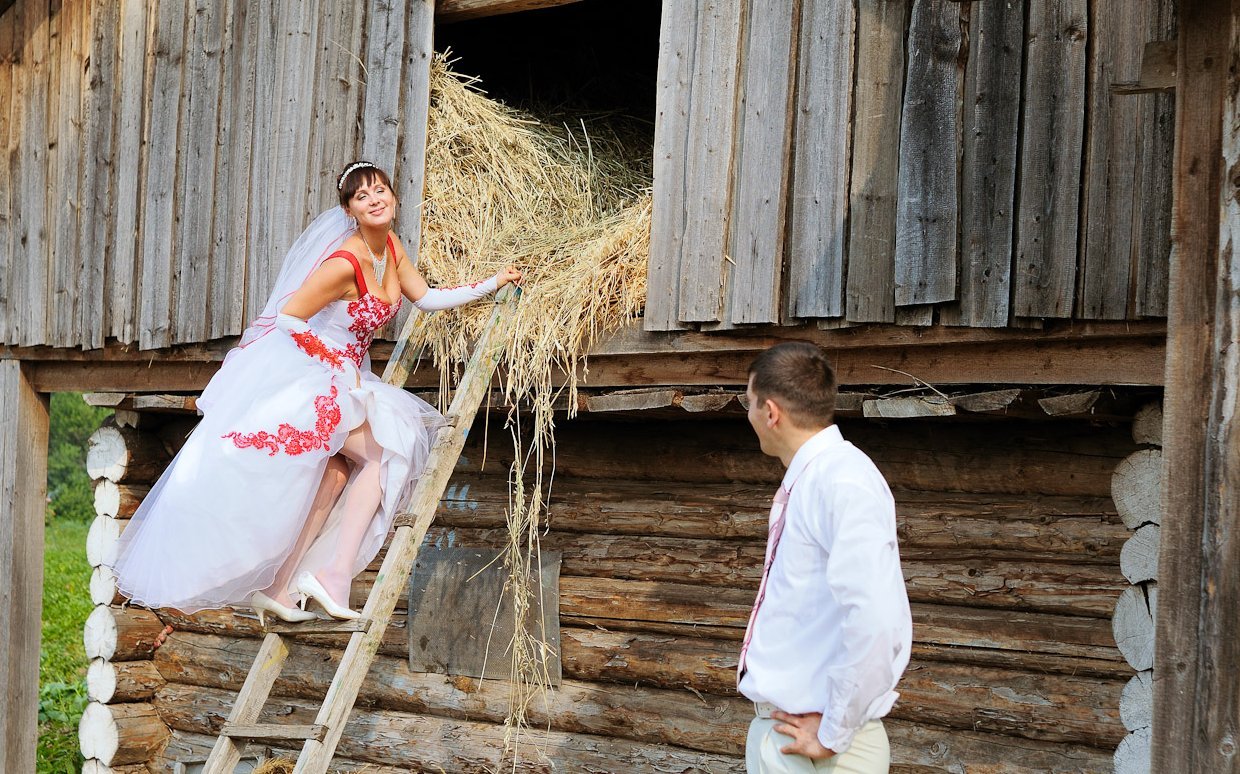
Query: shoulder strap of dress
x=392 y=246
x=357 y=268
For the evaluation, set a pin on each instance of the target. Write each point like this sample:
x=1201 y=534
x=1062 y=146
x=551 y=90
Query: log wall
x=920 y=161
x=1012 y=548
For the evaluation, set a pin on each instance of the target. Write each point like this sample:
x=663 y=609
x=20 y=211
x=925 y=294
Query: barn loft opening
x=595 y=60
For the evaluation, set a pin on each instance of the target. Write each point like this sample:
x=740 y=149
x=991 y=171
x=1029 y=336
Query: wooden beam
x=460 y=10
x=23 y=494
x=1196 y=696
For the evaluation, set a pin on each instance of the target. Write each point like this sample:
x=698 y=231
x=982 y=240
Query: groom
x=831 y=630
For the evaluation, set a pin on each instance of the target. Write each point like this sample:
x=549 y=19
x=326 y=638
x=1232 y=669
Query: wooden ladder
x=366 y=633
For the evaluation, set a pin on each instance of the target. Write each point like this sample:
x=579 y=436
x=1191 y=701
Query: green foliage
x=62 y=658
x=68 y=486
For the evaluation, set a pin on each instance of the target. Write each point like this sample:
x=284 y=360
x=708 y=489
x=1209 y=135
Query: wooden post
x=23 y=497
x=1196 y=695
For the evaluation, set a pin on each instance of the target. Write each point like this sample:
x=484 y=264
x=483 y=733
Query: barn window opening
x=593 y=62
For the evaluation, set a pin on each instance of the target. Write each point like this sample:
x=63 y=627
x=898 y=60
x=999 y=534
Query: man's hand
x=804 y=732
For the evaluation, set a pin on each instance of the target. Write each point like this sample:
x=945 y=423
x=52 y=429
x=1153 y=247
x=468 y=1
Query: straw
x=569 y=204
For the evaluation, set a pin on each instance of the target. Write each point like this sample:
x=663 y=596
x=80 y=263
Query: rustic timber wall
x=913 y=161
x=161 y=157
x=1011 y=546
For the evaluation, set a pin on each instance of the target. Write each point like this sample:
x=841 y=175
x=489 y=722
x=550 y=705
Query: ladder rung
x=321 y=626
x=274 y=731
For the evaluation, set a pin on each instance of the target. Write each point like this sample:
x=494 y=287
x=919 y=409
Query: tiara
x=352 y=168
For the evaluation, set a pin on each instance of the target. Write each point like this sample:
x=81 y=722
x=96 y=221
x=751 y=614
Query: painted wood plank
x=760 y=159
x=158 y=227
x=1119 y=160
x=927 y=209
x=1195 y=693
x=23 y=499
x=385 y=45
x=65 y=198
x=818 y=202
x=198 y=145
x=671 y=134
x=121 y=319
x=28 y=300
x=262 y=255
x=1053 y=133
x=98 y=121
x=226 y=296
x=8 y=74
x=410 y=172
x=294 y=113
x=1153 y=259
x=988 y=164
x=709 y=144
x=878 y=96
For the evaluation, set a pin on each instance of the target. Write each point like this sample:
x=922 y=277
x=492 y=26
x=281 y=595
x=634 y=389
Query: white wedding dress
x=224 y=516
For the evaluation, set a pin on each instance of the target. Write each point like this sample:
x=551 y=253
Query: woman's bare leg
x=332 y=484
x=360 y=504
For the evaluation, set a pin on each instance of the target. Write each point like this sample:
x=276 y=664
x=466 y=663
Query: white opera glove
x=309 y=342
x=436 y=299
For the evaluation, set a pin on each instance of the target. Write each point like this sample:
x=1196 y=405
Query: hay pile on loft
x=569 y=205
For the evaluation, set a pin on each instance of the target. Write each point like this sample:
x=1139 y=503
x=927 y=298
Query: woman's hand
x=508 y=274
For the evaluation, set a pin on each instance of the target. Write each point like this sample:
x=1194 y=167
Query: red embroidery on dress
x=294 y=441
x=314 y=347
x=369 y=314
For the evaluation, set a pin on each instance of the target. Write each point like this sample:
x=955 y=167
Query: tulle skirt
x=225 y=514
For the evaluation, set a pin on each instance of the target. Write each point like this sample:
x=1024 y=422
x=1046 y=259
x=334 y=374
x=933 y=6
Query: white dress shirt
x=834 y=630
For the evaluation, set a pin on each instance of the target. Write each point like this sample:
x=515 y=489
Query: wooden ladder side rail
x=393 y=575
x=366 y=633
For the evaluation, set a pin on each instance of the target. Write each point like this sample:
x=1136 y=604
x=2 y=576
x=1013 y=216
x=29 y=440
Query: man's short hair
x=797 y=376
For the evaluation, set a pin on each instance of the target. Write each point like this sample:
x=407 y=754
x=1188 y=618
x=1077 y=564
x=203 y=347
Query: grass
x=62 y=660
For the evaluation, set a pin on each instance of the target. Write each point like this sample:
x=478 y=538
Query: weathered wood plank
x=1196 y=697
x=927 y=205
x=458 y=10
x=381 y=116
x=1122 y=158
x=1054 y=116
x=818 y=201
x=10 y=113
x=710 y=131
x=28 y=293
x=101 y=91
x=988 y=164
x=756 y=227
x=671 y=132
x=23 y=490
x=262 y=255
x=227 y=282
x=198 y=135
x=1153 y=260
x=64 y=201
x=297 y=25
x=158 y=227
x=335 y=138
x=415 y=110
x=122 y=317
x=874 y=180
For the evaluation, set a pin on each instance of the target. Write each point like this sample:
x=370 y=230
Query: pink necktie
x=778 y=510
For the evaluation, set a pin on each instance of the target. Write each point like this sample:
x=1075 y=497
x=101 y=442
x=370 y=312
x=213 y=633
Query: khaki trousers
x=869 y=752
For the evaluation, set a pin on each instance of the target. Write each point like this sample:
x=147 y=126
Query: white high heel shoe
x=310 y=587
x=265 y=604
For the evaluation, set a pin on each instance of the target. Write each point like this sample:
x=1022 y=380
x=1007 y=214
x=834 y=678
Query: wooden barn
x=1009 y=223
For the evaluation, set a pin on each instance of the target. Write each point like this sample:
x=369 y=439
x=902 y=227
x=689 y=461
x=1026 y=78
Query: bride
x=287 y=487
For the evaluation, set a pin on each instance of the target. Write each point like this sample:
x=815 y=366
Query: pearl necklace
x=379 y=264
